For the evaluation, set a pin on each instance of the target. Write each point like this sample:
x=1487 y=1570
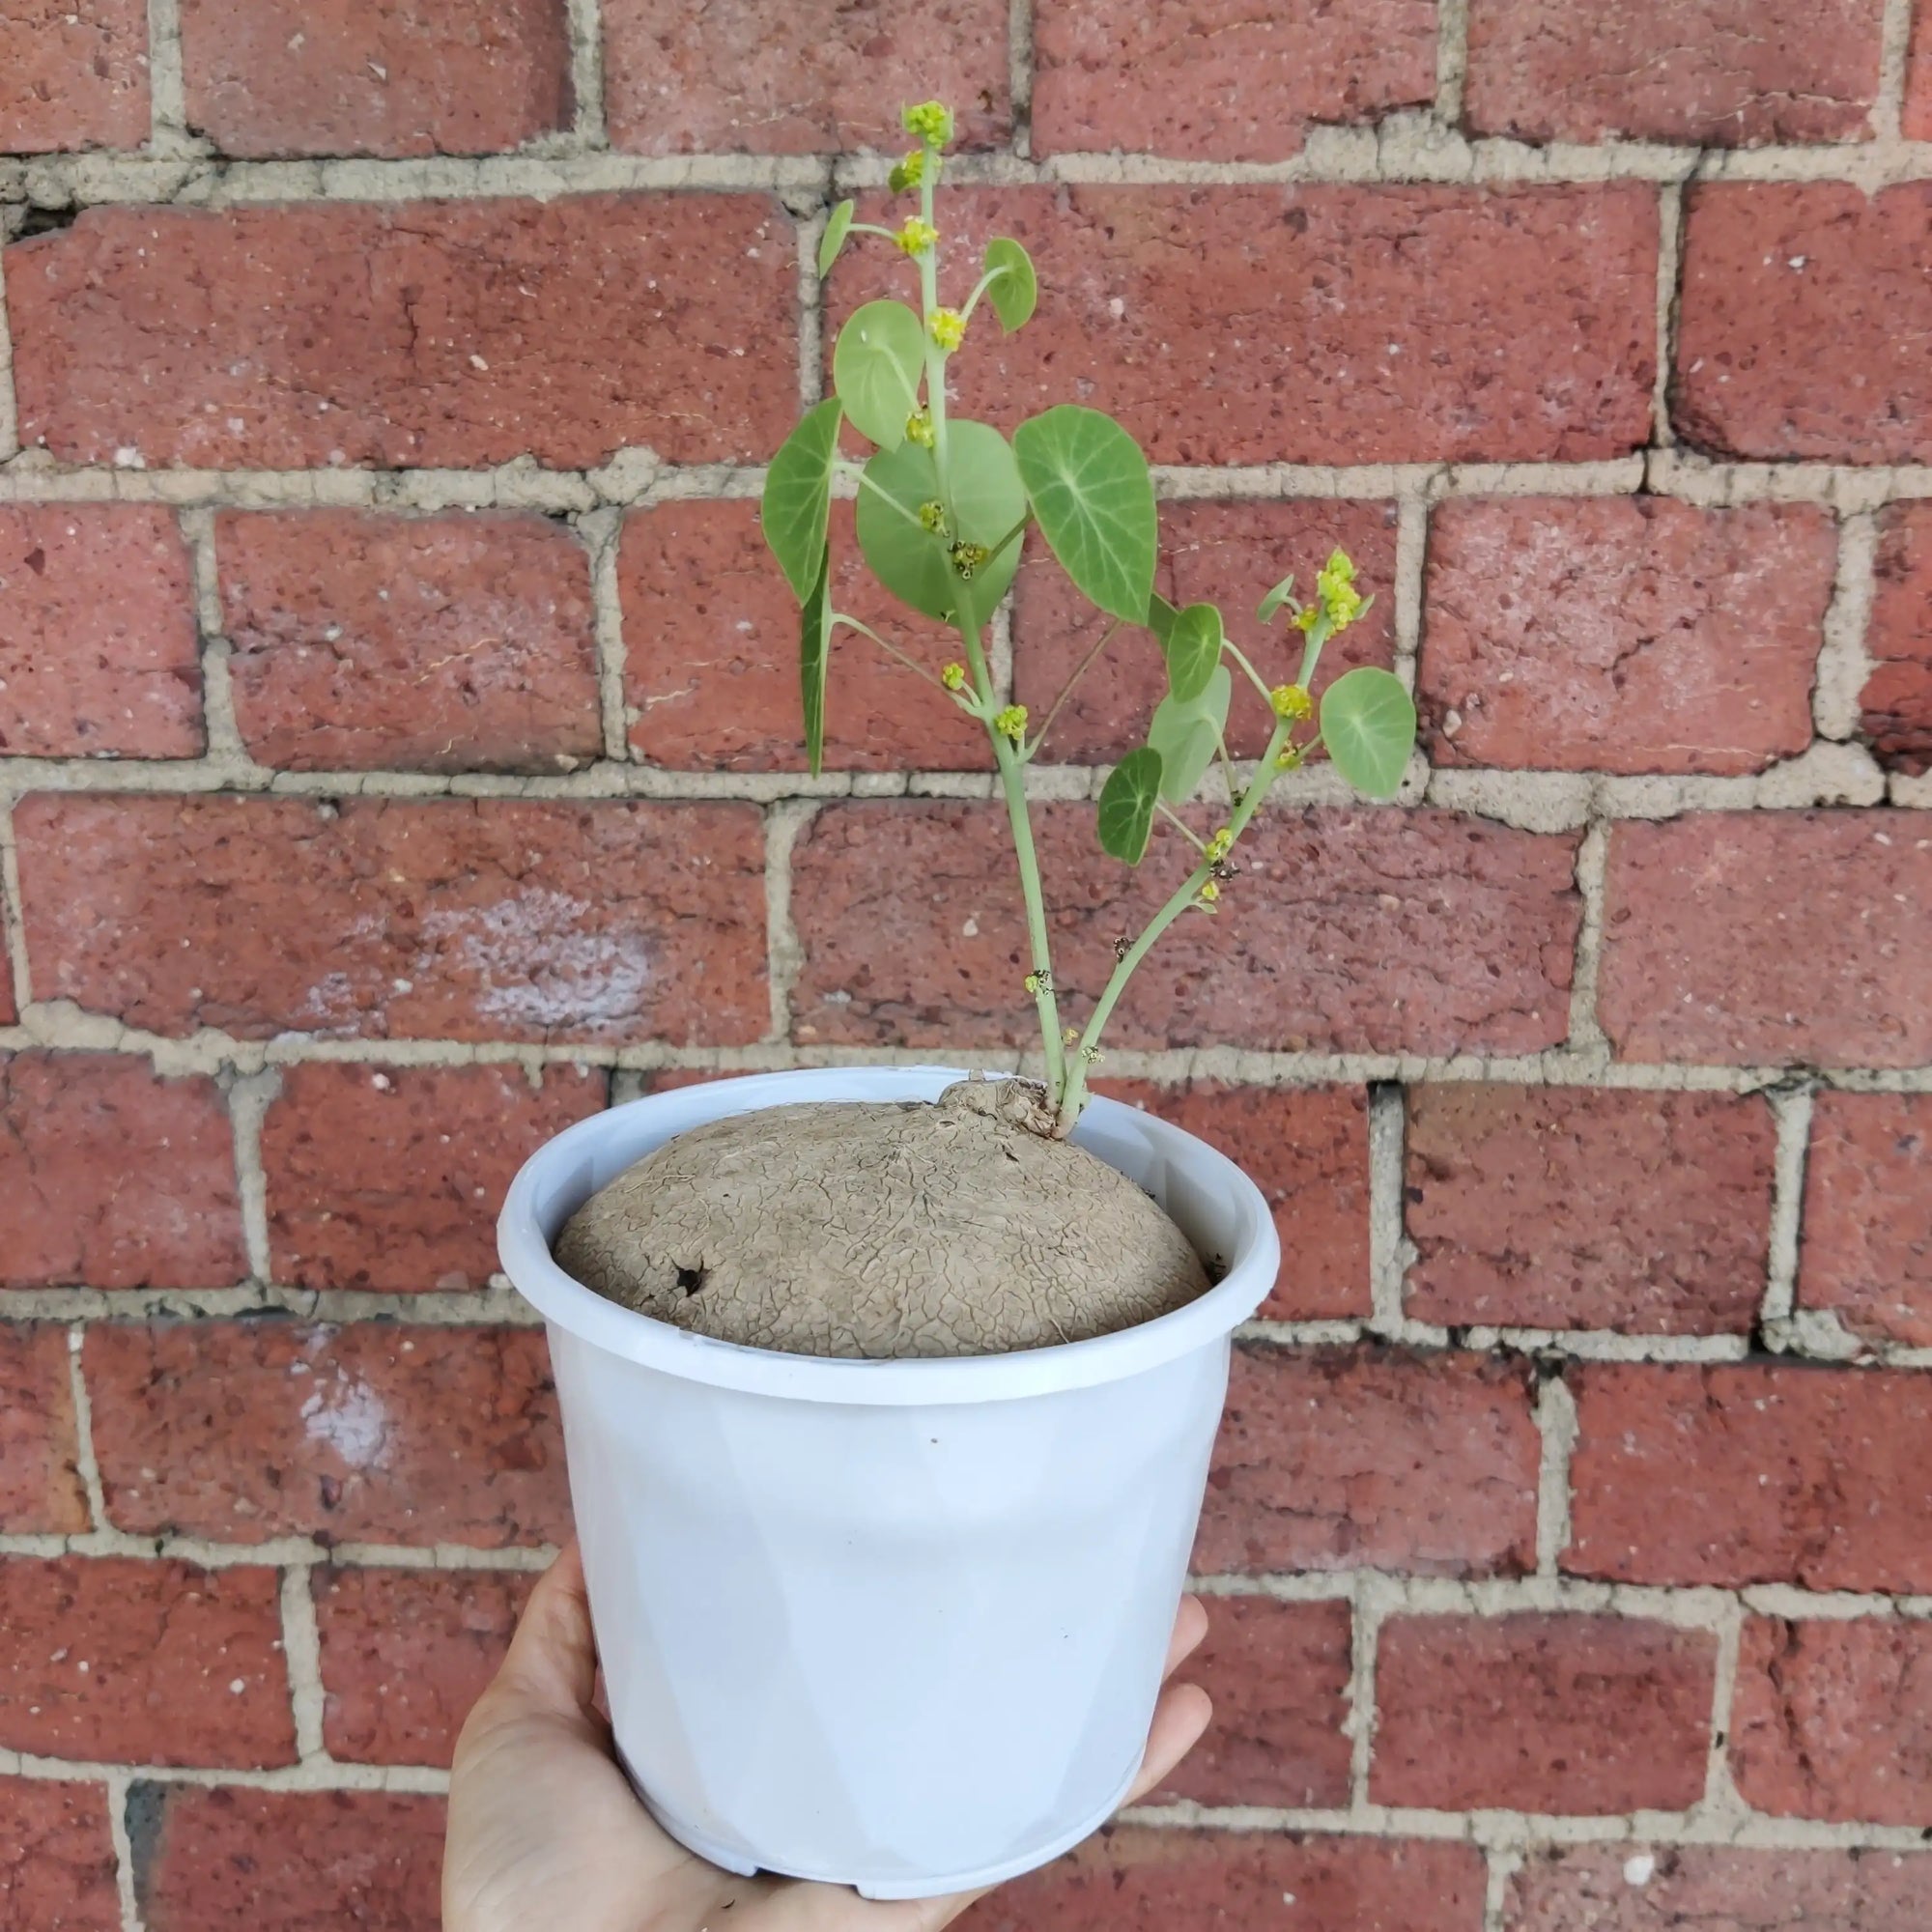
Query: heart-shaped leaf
x=1091 y=493
x=987 y=500
x=1193 y=648
x=875 y=368
x=798 y=496
x=1126 y=805
x=837 y=225
x=1274 y=600
x=814 y=657
x=1368 y=723
x=1188 y=735
x=1160 y=616
x=1013 y=290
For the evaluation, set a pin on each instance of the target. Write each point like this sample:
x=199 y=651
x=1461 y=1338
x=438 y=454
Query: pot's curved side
x=886 y=1624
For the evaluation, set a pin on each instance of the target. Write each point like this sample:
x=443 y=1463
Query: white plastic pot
x=894 y=1625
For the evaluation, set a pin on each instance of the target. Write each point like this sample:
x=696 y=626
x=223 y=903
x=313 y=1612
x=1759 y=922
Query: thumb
x=551 y=1664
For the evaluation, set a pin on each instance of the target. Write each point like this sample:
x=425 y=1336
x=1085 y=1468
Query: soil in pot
x=956 y=1227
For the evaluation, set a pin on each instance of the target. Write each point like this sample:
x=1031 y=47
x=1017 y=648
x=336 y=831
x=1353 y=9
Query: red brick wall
x=398 y=760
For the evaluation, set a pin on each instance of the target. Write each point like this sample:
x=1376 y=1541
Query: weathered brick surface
x=130 y=1661
x=1868 y=1245
x=1224 y=554
x=818 y=78
x=1278 y=1673
x=1581 y=1208
x=1917 y=116
x=249 y=1431
x=57 y=1857
x=460 y=642
x=228 y=1859
x=1756 y=1474
x=1307 y=1150
x=1322 y=324
x=710 y=655
x=112 y=1177
x=405 y=1653
x=460 y=333
x=1715 y=72
x=1714 y=1888
x=1779 y=937
x=73 y=74
x=1804 y=319
x=1897 y=703
x=393 y=77
x=1834 y=1719
x=39 y=1474
x=1354 y=930
x=1563 y=1713
x=389 y=1178
x=1133 y=1879
x=1218 y=82
x=484 y=918
x=1338 y=1460
x=99 y=653
x=1623 y=634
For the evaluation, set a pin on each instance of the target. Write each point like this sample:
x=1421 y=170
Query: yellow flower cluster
x=1210 y=891
x=1292 y=702
x=1336 y=587
x=954 y=677
x=1219 y=846
x=949 y=328
x=931 y=121
x=917 y=237
x=918 y=429
x=1288 y=759
x=908 y=172
x=931 y=518
x=967 y=558
x=1011 y=722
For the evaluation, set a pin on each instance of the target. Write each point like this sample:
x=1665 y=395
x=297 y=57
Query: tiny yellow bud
x=949 y=328
x=918 y=429
x=1210 y=891
x=1304 y=619
x=916 y=236
x=954 y=677
x=1070 y=1034
x=908 y=172
x=1336 y=586
x=1288 y=759
x=1033 y=982
x=931 y=518
x=1220 y=844
x=1011 y=722
x=1292 y=702
x=967 y=558
x=931 y=121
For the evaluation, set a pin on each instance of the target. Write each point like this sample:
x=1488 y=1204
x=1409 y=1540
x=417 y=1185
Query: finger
x=1178 y=1720
x=552 y=1658
x=1191 y=1626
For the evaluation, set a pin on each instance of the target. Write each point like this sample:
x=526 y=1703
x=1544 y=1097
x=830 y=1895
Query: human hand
x=544 y=1829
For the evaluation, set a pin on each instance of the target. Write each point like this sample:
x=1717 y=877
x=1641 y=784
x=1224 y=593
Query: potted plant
x=885 y=1615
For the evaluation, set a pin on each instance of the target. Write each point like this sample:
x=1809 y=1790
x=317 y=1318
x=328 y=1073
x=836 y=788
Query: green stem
x=1012 y=782
x=858 y=470
x=1254 y=676
x=980 y=288
x=1066 y=689
x=890 y=651
x=1180 y=824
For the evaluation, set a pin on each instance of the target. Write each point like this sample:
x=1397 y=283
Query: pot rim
x=565 y=1165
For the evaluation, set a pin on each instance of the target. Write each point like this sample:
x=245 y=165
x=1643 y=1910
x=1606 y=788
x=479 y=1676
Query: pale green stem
x=1066 y=689
x=1254 y=676
x=855 y=470
x=980 y=288
x=1012 y=782
x=1180 y=824
x=890 y=651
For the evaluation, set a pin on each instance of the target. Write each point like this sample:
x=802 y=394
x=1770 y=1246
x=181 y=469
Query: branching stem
x=1066 y=689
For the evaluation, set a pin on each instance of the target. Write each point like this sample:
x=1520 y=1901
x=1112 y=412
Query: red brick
x=40 y=1473
x=1224 y=553
x=1713 y=1889
x=460 y=643
x=1345 y=1460
x=98 y=652
x=1218 y=82
x=1554 y=1714
x=1774 y=1473
x=1834 y=1719
x=114 y=1178
x=1133 y=1879
x=1768 y=937
x=711 y=660
x=1917 y=114
x=1711 y=73
x=1351 y=931
x=389 y=1178
x=1623 y=634
x=462 y=919
x=1357 y=324
x=460 y=333
x=224 y=1859
x=1804 y=312
x=405 y=1653
x=1897 y=699
x=1278 y=1673
x=57 y=1868
x=73 y=74
x=1867 y=1250
x=1581 y=1208
x=248 y=1430
x=1307 y=1150
x=127 y=1660
x=272 y=77
x=815 y=78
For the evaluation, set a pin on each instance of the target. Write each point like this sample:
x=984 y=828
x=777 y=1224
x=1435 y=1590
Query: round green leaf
x=1091 y=493
x=1193 y=648
x=1187 y=735
x=1126 y=805
x=875 y=368
x=1160 y=616
x=1368 y=723
x=987 y=500
x=798 y=496
x=815 y=656
x=1274 y=600
x=837 y=224
x=1013 y=290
